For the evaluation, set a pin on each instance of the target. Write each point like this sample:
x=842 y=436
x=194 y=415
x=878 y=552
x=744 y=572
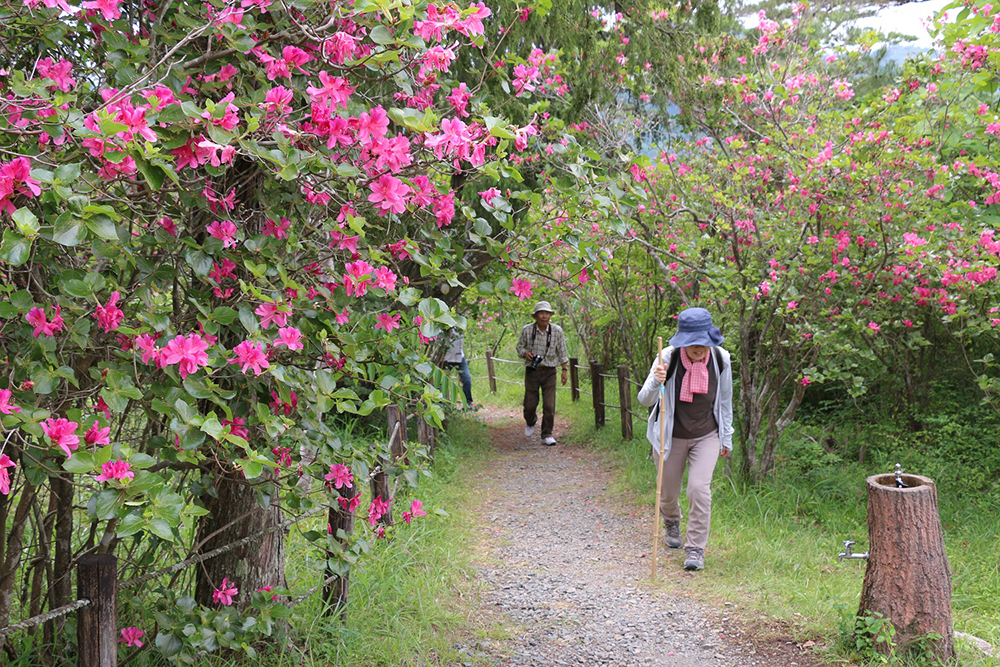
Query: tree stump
x=908 y=580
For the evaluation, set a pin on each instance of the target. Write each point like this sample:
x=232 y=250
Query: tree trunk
x=236 y=514
x=12 y=550
x=908 y=580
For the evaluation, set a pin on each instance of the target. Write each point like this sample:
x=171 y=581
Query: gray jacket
x=649 y=395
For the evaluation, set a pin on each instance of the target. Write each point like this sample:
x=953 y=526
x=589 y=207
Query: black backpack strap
x=672 y=366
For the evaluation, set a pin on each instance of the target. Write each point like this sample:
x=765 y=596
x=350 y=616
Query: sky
x=907 y=19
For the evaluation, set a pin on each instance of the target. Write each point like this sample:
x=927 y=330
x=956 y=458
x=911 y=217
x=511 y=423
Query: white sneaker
x=549 y=441
x=529 y=431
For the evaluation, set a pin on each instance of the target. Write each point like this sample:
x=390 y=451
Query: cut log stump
x=908 y=580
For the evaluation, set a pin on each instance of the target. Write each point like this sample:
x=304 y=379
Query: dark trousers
x=466 y=377
x=544 y=378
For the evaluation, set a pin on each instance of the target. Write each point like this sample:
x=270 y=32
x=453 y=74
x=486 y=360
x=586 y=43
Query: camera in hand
x=535 y=360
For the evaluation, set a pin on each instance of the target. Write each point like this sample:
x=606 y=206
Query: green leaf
x=76 y=289
x=106 y=505
x=224 y=315
x=381 y=35
x=251 y=469
x=103 y=227
x=161 y=528
x=26 y=222
x=249 y=320
x=80 y=462
x=15 y=249
x=153 y=174
x=69 y=230
x=212 y=427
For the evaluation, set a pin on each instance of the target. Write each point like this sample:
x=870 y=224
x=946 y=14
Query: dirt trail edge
x=566 y=566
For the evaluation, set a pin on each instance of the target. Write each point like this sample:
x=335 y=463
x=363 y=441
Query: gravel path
x=567 y=565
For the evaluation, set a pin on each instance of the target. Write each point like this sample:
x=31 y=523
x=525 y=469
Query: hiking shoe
x=529 y=431
x=672 y=534
x=695 y=559
x=549 y=441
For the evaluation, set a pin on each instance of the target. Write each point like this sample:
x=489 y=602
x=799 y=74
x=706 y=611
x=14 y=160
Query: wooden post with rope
x=659 y=460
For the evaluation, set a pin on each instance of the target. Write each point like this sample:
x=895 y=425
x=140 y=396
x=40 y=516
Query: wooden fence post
x=337 y=592
x=427 y=435
x=399 y=450
x=490 y=372
x=380 y=483
x=597 y=384
x=97 y=623
x=574 y=379
x=625 y=401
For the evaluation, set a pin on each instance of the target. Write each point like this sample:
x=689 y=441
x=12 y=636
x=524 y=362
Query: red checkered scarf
x=695 y=379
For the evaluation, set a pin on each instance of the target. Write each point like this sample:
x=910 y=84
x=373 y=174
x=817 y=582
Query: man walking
x=454 y=357
x=542 y=345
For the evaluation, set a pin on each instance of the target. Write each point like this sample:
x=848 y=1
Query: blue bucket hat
x=694 y=327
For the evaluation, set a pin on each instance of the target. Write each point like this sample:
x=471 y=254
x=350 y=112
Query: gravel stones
x=568 y=568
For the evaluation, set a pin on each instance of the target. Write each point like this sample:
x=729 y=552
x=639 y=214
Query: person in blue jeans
x=455 y=358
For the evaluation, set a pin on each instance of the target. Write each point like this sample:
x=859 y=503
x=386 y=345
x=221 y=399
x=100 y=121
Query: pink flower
x=109 y=316
x=385 y=278
x=36 y=318
x=58 y=73
x=116 y=470
x=5 y=463
x=377 y=510
x=340 y=476
x=343 y=317
x=131 y=637
x=278 y=230
x=414 y=511
x=269 y=314
x=168 y=225
x=387 y=322
x=225 y=231
x=108 y=8
x=349 y=504
x=6 y=407
x=805 y=381
x=290 y=337
x=225 y=593
x=489 y=195
x=874 y=327
x=188 y=352
x=388 y=194
x=96 y=435
x=252 y=356
x=237 y=427
x=62 y=432
x=522 y=288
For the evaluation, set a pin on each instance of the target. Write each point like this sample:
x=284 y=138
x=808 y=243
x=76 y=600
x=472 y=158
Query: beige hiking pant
x=699 y=456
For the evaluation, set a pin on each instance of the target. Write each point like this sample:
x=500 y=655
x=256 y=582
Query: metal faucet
x=849 y=555
x=900 y=484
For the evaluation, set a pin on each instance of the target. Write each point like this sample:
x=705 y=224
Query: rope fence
x=43 y=618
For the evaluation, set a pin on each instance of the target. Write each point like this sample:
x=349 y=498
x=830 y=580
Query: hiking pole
x=659 y=459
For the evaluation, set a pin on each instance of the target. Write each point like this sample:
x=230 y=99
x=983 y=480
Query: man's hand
x=527 y=355
x=564 y=375
x=724 y=453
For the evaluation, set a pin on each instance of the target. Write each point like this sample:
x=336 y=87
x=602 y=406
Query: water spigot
x=900 y=484
x=848 y=554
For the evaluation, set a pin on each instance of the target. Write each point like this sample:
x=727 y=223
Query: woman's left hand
x=724 y=453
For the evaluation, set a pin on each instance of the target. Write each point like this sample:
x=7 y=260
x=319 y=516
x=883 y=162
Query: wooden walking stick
x=659 y=459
